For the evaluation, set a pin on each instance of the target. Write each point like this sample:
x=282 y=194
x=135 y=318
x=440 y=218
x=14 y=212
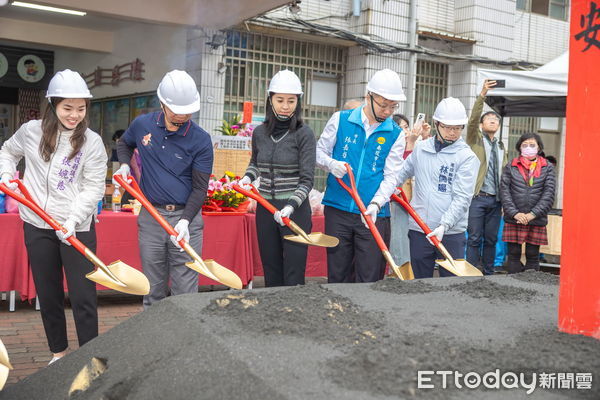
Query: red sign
x=247 y=118
x=579 y=301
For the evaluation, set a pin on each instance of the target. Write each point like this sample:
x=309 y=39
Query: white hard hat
x=285 y=81
x=387 y=84
x=68 y=85
x=450 y=111
x=178 y=91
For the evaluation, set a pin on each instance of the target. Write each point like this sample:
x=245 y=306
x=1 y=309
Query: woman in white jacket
x=65 y=174
x=445 y=169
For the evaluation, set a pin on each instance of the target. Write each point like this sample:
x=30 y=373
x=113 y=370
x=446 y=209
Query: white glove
x=245 y=182
x=437 y=232
x=338 y=168
x=6 y=177
x=124 y=170
x=69 y=226
x=372 y=211
x=397 y=192
x=182 y=233
x=284 y=213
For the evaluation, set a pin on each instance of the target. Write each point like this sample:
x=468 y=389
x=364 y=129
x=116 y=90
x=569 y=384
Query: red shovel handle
x=133 y=188
x=361 y=206
x=28 y=201
x=253 y=194
x=416 y=217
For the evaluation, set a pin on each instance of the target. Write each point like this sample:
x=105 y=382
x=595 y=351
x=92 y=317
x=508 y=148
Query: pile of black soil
x=532 y=276
x=397 y=286
x=310 y=312
x=486 y=289
x=389 y=367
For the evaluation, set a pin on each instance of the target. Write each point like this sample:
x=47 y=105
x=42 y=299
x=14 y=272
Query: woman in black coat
x=527 y=194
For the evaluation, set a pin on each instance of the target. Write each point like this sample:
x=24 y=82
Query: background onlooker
x=527 y=193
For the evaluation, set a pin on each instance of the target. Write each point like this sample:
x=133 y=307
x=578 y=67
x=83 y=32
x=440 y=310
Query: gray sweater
x=286 y=166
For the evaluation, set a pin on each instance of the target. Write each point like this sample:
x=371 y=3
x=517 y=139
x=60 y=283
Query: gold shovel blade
x=216 y=272
x=134 y=280
x=5 y=365
x=4 y=356
x=459 y=267
x=315 y=239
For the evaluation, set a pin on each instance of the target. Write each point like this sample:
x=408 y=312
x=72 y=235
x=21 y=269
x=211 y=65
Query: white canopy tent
x=538 y=93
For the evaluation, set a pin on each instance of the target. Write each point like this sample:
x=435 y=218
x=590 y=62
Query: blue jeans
x=484 y=221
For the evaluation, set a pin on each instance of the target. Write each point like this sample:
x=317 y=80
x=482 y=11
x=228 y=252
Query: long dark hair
x=270 y=118
x=51 y=126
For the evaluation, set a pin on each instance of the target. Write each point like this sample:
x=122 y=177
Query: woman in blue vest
x=368 y=139
x=445 y=170
x=283 y=156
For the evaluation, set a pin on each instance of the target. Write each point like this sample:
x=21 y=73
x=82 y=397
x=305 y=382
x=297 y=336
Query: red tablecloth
x=225 y=241
x=316 y=263
x=14 y=269
x=228 y=239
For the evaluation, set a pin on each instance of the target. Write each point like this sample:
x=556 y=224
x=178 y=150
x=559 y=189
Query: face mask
x=529 y=152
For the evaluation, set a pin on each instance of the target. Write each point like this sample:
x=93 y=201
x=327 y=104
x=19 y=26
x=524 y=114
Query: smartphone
x=500 y=83
x=419 y=120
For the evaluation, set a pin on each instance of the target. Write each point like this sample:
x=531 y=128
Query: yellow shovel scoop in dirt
x=311 y=239
x=403 y=272
x=209 y=268
x=5 y=365
x=117 y=275
x=458 y=267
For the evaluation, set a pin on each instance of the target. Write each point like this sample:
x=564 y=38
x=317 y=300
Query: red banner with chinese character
x=579 y=302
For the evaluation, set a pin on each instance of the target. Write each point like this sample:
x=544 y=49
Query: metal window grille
x=253 y=58
x=431 y=86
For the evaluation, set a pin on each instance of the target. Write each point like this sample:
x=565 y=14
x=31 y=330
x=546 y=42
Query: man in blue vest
x=369 y=141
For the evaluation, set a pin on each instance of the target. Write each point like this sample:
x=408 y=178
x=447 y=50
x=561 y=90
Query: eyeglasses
x=525 y=145
x=452 y=128
x=392 y=107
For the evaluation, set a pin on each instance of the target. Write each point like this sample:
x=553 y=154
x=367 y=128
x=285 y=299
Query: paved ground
x=23 y=334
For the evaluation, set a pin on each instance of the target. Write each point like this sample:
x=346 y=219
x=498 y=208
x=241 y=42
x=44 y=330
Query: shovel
x=403 y=272
x=458 y=267
x=312 y=239
x=208 y=268
x=4 y=365
x=117 y=275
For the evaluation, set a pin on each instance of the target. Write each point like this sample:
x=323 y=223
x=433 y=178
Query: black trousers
x=284 y=261
x=47 y=257
x=423 y=254
x=357 y=258
x=532 y=257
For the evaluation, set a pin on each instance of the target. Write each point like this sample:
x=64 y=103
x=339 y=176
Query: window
x=557 y=9
x=252 y=59
x=431 y=86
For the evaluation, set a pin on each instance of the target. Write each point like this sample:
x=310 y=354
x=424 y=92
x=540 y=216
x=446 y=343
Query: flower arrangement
x=234 y=127
x=221 y=197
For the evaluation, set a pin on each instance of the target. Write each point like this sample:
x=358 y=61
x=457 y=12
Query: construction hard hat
x=285 y=81
x=387 y=84
x=178 y=91
x=68 y=85
x=450 y=111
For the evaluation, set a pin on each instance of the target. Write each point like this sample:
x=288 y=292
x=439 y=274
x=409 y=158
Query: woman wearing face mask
x=65 y=174
x=527 y=194
x=283 y=156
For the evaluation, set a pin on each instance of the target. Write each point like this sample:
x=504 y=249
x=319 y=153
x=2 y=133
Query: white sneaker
x=54 y=359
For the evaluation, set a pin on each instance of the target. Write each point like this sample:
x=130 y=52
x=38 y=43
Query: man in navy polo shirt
x=177 y=160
